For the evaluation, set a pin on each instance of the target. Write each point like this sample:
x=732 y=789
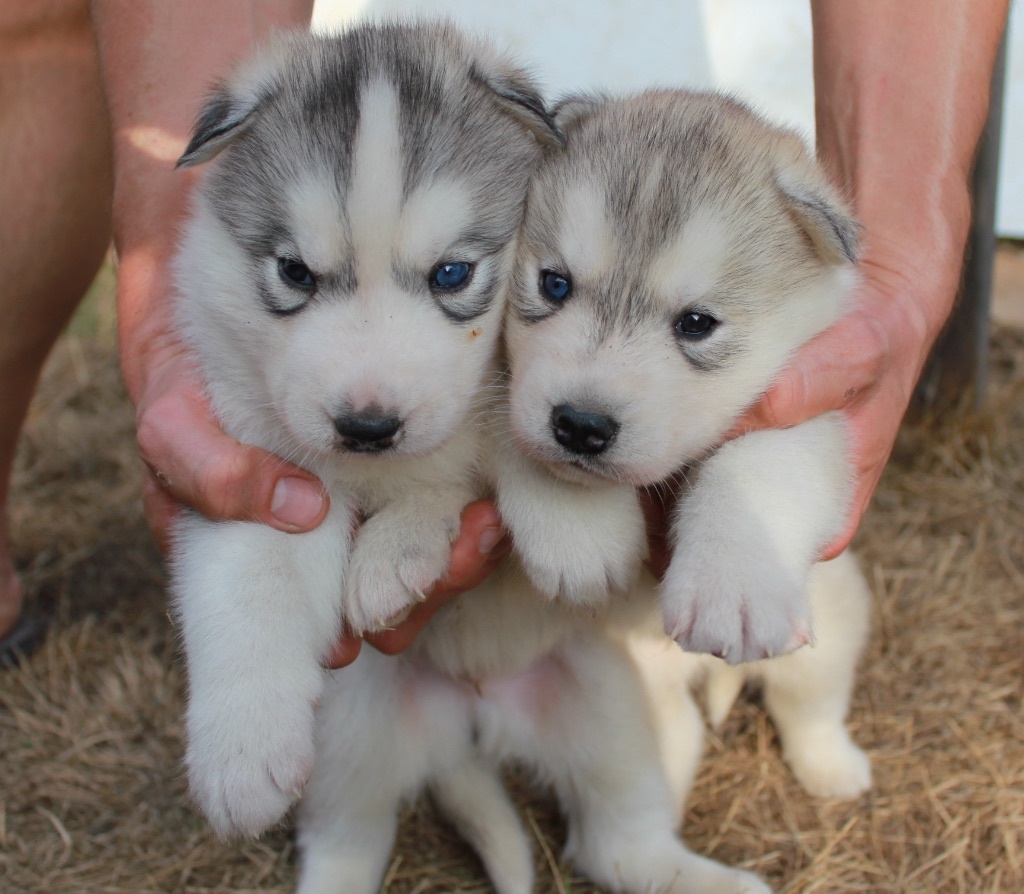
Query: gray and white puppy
x=674 y=255
x=673 y=258
x=342 y=283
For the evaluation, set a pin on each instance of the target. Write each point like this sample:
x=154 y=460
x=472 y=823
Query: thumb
x=830 y=372
x=197 y=464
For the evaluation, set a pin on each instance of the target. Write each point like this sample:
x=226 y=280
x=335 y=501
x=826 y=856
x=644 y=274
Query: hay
x=91 y=791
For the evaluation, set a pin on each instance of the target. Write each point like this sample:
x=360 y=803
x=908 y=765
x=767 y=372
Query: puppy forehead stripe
x=586 y=235
x=375 y=193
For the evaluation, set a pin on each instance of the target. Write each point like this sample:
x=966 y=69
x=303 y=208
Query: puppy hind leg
x=721 y=689
x=808 y=693
x=678 y=726
x=621 y=836
x=815 y=742
x=347 y=819
x=609 y=776
x=349 y=857
x=385 y=729
x=472 y=796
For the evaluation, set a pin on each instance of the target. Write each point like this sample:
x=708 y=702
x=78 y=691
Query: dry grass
x=92 y=796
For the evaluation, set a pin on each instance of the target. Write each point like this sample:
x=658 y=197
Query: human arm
x=158 y=60
x=901 y=98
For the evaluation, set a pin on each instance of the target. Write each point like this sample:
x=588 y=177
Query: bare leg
x=55 y=186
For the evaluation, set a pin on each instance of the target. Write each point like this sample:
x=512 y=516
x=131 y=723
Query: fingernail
x=489 y=539
x=297 y=502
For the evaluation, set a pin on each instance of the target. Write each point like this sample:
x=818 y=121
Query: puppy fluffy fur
x=355 y=178
x=598 y=707
x=342 y=282
x=673 y=258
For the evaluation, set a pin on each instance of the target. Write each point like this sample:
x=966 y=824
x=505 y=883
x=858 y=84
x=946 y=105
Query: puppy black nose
x=368 y=431
x=582 y=432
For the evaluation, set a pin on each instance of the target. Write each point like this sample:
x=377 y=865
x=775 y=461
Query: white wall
x=761 y=49
x=1010 y=210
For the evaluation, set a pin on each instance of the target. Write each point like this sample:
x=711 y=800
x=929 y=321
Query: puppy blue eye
x=694 y=324
x=296 y=274
x=555 y=286
x=450 y=276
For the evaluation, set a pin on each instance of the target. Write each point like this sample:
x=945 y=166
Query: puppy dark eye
x=555 y=286
x=296 y=274
x=694 y=324
x=450 y=276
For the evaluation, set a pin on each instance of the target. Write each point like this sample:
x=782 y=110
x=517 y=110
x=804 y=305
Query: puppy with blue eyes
x=673 y=257
x=342 y=283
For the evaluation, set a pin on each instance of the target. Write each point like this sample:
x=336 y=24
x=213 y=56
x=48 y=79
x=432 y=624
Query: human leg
x=55 y=185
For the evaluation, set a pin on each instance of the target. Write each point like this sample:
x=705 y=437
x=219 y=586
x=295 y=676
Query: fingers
x=345 y=651
x=481 y=545
x=832 y=371
x=191 y=461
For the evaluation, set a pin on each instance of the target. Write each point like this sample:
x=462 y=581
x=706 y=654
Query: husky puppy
x=672 y=260
x=673 y=257
x=341 y=283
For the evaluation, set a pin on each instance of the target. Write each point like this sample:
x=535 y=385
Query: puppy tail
x=721 y=688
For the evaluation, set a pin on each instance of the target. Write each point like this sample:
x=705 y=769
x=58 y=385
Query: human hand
x=897 y=129
x=867 y=366
x=187 y=458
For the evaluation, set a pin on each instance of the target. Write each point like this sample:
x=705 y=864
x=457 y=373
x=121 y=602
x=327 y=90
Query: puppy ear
x=516 y=94
x=817 y=207
x=576 y=107
x=224 y=118
x=834 y=233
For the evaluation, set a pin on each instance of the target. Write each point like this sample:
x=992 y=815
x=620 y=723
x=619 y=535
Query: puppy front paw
x=740 y=607
x=579 y=553
x=249 y=755
x=392 y=568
